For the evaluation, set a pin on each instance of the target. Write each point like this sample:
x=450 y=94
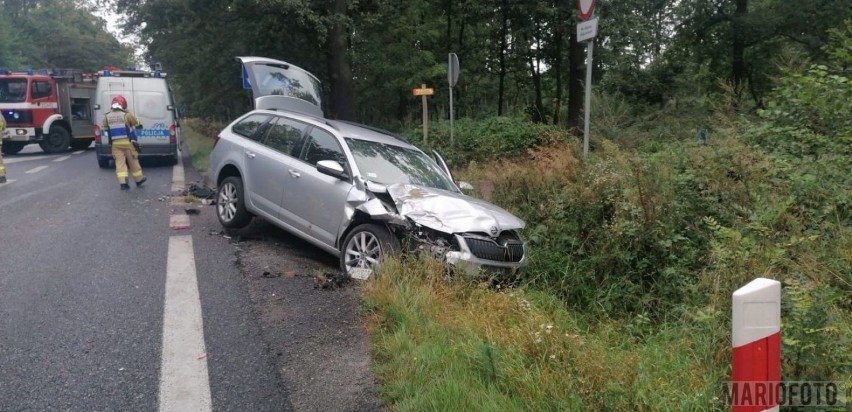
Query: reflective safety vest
x=116 y=125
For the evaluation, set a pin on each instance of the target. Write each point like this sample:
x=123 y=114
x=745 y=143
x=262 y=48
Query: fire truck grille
x=509 y=251
x=18 y=117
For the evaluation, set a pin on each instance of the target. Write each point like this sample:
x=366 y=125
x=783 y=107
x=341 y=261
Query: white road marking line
x=184 y=380
x=177 y=176
x=62 y=158
x=178 y=222
x=36 y=169
x=13 y=160
x=78 y=152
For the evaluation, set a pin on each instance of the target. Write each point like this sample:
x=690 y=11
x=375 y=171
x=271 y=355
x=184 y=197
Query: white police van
x=149 y=97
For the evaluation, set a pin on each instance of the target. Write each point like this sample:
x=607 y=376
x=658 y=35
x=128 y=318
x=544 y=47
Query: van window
x=40 y=89
x=248 y=127
x=150 y=105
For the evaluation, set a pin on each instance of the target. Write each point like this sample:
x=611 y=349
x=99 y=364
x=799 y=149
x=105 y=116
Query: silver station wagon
x=355 y=191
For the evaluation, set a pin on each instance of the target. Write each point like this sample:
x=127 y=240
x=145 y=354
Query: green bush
x=485 y=139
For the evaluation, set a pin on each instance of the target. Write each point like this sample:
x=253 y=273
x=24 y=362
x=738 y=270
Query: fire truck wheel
x=11 y=148
x=57 y=141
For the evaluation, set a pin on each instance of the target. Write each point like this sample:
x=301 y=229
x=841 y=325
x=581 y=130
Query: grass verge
x=444 y=344
x=199 y=135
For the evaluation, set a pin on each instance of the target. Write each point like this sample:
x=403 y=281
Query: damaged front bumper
x=480 y=254
x=465 y=232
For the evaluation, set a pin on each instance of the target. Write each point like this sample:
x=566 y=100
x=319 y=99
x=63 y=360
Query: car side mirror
x=332 y=168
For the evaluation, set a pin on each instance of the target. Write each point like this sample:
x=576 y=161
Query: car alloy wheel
x=364 y=248
x=230 y=204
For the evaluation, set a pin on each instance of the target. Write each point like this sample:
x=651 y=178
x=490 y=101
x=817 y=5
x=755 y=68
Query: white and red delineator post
x=756 y=355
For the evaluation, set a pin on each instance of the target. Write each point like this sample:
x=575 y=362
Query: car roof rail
x=377 y=130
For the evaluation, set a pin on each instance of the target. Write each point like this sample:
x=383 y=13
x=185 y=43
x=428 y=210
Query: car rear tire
x=231 y=205
x=103 y=162
x=364 y=248
x=57 y=141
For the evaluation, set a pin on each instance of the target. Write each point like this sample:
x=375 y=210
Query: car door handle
x=294 y=173
x=250 y=154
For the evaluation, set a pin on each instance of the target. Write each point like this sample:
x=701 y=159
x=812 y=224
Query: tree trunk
x=450 y=26
x=577 y=67
x=537 y=107
x=738 y=66
x=559 y=37
x=504 y=33
x=341 y=102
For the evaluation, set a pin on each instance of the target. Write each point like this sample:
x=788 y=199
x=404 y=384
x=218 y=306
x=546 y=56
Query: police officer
x=120 y=125
x=3 y=135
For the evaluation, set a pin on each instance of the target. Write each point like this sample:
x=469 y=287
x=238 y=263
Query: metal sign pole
x=588 y=100
x=452 y=78
x=451 y=115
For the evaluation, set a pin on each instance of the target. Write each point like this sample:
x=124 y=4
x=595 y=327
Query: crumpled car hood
x=451 y=212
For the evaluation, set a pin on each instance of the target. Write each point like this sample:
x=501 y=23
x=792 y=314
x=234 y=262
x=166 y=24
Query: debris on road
x=192 y=211
x=200 y=191
x=333 y=280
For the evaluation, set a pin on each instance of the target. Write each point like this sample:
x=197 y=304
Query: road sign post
x=452 y=78
x=424 y=91
x=587 y=30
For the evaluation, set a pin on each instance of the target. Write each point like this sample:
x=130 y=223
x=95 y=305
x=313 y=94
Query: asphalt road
x=83 y=275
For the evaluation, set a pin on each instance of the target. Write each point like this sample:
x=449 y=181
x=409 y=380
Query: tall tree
x=342 y=104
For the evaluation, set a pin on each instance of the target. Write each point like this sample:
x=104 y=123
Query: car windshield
x=389 y=164
x=13 y=90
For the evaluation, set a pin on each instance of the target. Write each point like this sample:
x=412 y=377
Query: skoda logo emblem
x=494 y=231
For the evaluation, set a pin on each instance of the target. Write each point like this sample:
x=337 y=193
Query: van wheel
x=364 y=248
x=57 y=141
x=231 y=204
x=103 y=162
x=81 y=144
x=11 y=148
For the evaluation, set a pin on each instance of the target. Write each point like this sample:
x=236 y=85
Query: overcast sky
x=113 y=20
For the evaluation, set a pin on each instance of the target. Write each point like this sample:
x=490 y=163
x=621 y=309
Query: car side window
x=248 y=127
x=321 y=145
x=284 y=134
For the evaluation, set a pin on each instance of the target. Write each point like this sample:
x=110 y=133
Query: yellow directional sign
x=425 y=91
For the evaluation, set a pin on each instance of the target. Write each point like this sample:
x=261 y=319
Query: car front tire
x=231 y=205
x=364 y=248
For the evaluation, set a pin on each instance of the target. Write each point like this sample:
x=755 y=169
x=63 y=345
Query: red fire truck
x=50 y=107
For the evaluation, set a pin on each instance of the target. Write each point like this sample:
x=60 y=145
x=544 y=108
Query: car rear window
x=248 y=126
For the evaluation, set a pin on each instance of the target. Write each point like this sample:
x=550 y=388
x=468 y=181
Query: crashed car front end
x=465 y=232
